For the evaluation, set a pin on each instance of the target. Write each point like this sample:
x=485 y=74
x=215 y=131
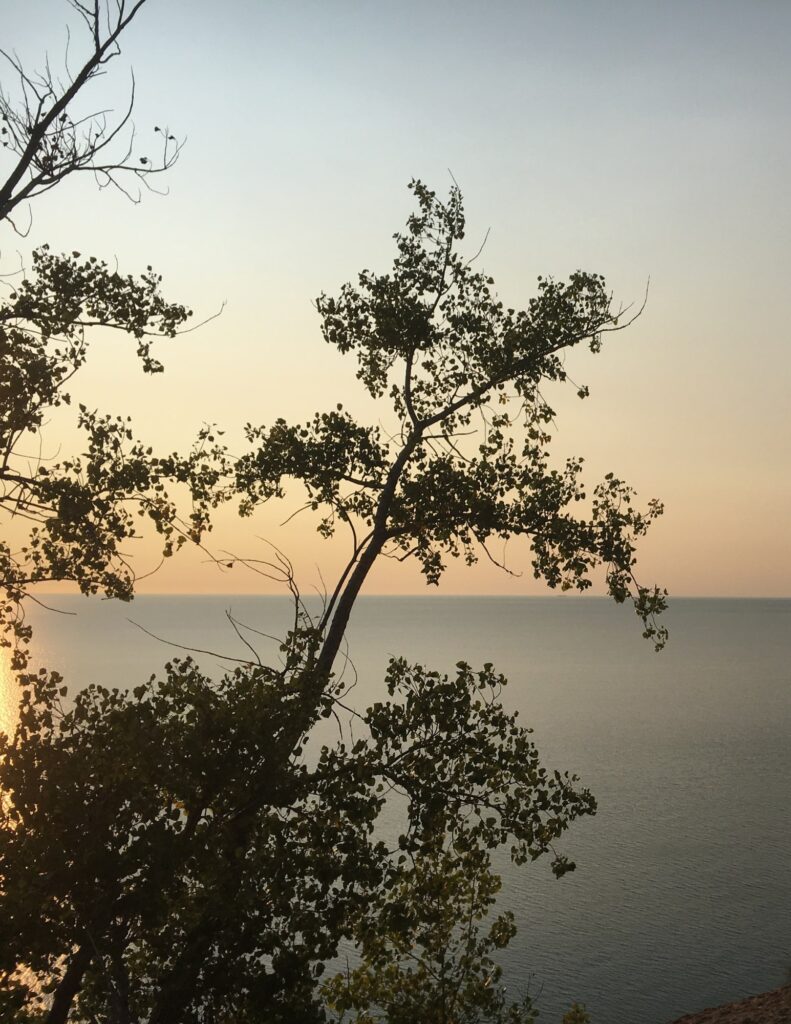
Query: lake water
x=682 y=896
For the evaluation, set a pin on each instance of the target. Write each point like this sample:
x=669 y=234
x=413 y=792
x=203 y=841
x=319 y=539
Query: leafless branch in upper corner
x=49 y=139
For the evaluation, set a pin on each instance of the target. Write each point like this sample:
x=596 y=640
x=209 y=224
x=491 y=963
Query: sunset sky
x=628 y=138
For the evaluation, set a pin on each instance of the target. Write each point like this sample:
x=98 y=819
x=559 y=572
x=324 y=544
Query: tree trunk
x=70 y=985
x=340 y=620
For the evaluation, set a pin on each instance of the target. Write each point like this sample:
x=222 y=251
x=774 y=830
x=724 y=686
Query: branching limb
x=49 y=143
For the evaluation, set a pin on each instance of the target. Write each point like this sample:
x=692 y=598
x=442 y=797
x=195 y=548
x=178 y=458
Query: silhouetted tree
x=468 y=462
x=193 y=862
x=172 y=854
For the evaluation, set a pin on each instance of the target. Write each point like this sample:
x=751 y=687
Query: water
x=682 y=895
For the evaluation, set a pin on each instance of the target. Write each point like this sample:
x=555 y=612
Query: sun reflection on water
x=9 y=694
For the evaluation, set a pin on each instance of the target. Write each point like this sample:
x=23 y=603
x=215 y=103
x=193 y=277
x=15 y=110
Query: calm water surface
x=682 y=896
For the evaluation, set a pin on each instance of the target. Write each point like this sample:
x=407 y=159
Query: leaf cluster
x=80 y=511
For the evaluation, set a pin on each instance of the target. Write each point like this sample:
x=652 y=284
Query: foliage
x=206 y=876
x=576 y=1015
x=425 y=958
x=182 y=852
x=468 y=463
x=80 y=511
x=69 y=520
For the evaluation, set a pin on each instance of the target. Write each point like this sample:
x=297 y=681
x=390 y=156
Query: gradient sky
x=627 y=138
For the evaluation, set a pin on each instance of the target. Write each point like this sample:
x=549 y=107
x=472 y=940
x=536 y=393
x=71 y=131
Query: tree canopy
x=194 y=859
x=468 y=461
x=79 y=511
x=184 y=852
x=186 y=868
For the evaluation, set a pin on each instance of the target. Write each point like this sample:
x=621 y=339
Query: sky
x=637 y=140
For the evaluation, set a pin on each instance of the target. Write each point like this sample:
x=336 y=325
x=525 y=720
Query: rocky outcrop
x=768 y=1008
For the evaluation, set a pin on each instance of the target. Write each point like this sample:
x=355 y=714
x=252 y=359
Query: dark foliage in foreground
x=198 y=874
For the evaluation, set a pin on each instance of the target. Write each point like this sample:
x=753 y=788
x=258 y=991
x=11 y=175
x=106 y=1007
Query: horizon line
x=429 y=595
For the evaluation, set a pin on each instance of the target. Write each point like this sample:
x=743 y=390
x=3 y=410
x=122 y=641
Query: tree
x=194 y=863
x=433 y=337
x=80 y=511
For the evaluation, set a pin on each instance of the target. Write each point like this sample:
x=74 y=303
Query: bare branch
x=50 y=144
